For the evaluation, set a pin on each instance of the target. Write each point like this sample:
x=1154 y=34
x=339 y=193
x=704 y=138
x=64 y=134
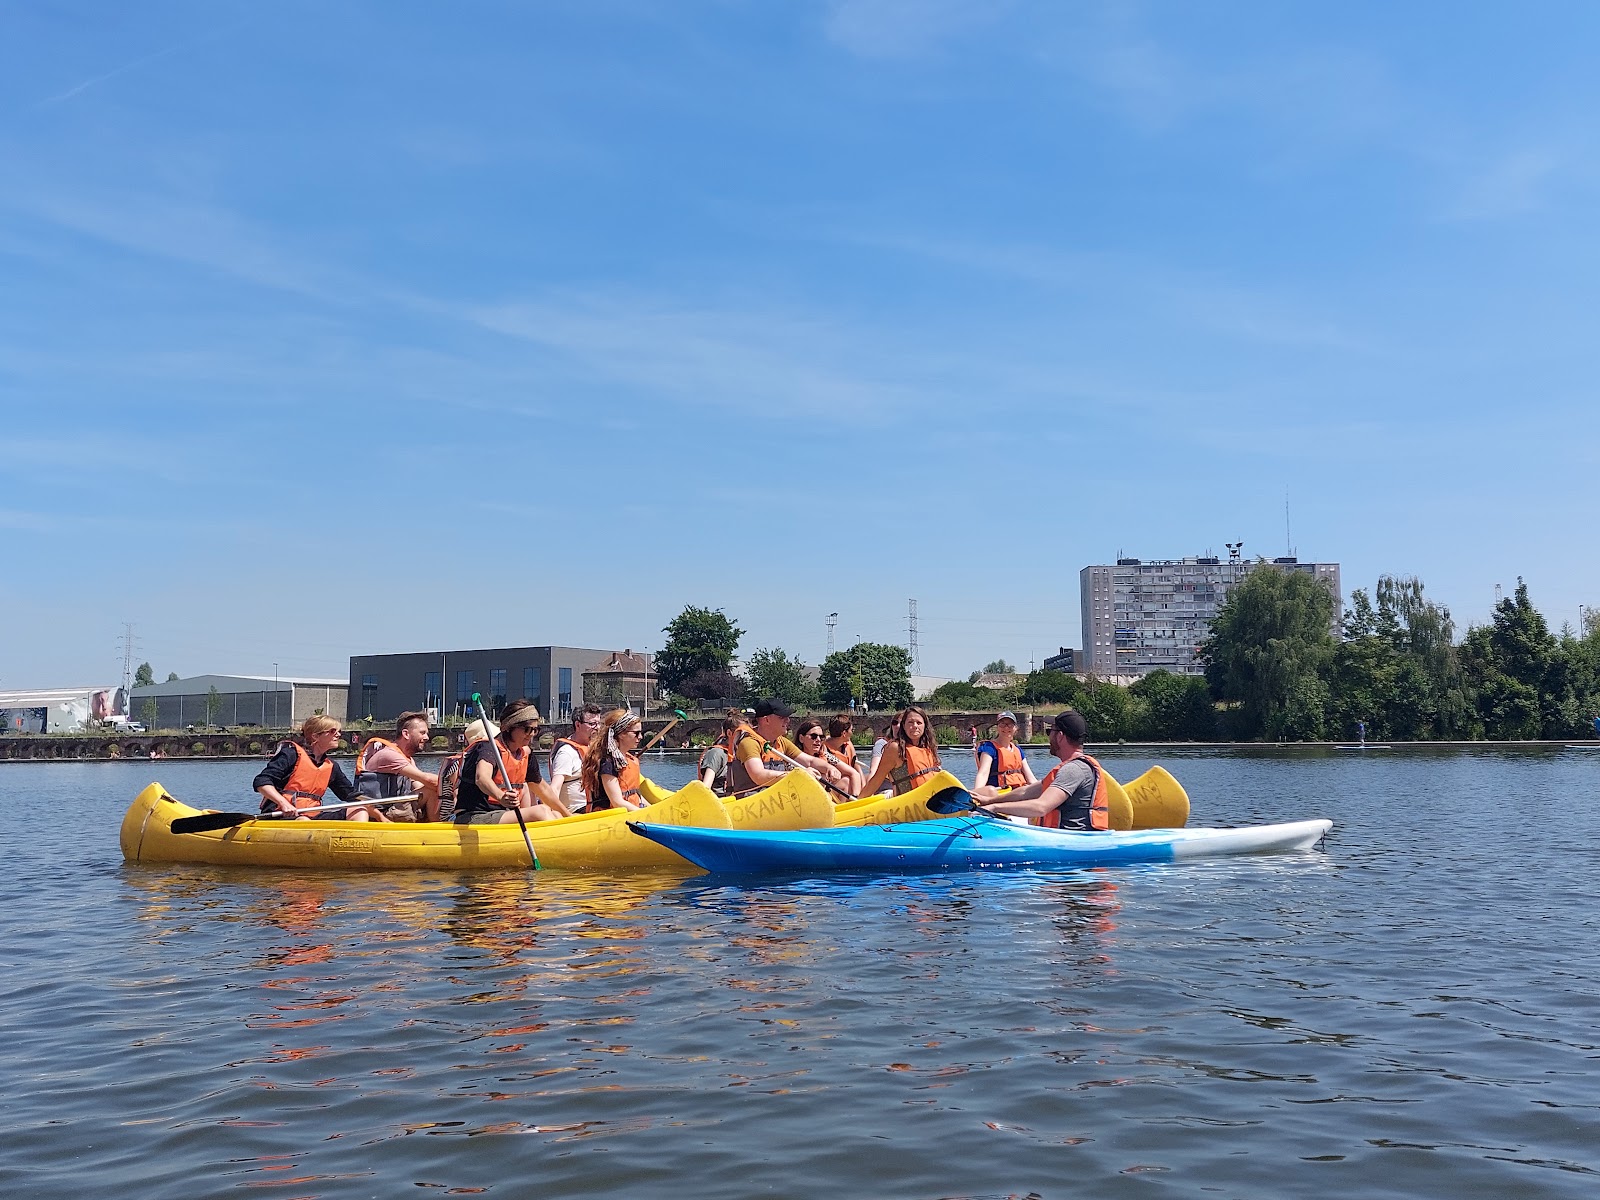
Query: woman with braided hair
x=611 y=762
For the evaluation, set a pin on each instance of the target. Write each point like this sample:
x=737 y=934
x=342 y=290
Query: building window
x=533 y=686
x=497 y=688
x=464 y=692
x=369 y=694
x=564 y=694
x=431 y=697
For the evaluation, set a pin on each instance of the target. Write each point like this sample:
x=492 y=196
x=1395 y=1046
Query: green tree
x=882 y=673
x=172 y=677
x=213 y=704
x=148 y=712
x=1514 y=665
x=1049 y=687
x=698 y=640
x=999 y=667
x=1267 y=649
x=144 y=676
x=772 y=673
x=1176 y=707
x=962 y=697
x=1111 y=712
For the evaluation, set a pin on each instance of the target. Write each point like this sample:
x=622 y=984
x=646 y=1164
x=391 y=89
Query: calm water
x=1411 y=1012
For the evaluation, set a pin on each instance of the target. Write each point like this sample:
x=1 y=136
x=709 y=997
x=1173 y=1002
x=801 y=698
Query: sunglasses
x=816 y=733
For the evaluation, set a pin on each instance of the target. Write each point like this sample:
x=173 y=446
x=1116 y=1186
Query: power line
x=911 y=638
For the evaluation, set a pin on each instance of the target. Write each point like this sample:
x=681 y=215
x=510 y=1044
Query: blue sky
x=333 y=329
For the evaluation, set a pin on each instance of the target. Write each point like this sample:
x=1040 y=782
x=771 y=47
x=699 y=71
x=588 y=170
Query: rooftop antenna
x=833 y=619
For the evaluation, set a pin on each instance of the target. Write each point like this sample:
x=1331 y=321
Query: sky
x=344 y=329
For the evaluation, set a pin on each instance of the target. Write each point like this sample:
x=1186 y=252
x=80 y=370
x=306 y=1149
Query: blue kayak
x=964 y=843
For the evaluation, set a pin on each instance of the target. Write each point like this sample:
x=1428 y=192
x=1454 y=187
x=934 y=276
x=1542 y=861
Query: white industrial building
x=61 y=710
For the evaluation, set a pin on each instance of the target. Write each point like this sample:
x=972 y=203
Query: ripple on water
x=1400 y=1014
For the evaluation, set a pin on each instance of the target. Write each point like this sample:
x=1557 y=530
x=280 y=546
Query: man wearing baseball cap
x=1072 y=796
x=758 y=758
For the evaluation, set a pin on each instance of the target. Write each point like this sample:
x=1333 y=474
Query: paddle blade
x=950 y=801
x=206 y=822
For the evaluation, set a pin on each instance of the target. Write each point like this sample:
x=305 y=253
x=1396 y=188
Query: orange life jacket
x=308 y=782
x=627 y=778
x=1099 y=814
x=516 y=765
x=916 y=764
x=556 y=745
x=846 y=754
x=725 y=744
x=1007 y=769
x=379 y=785
x=772 y=759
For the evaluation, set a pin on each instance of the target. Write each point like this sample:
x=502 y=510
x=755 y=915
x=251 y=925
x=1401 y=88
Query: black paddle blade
x=205 y=822
x=950 y=801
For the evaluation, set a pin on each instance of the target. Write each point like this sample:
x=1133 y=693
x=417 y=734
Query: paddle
x=205 y=822
x=665 y=729
x=516 y=808
x=766 y=745
x=949 y=801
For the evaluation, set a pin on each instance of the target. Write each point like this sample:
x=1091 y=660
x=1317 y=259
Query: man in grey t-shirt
x=1070 y=788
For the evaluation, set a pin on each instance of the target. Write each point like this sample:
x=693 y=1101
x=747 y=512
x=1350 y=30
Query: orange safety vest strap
x=916 y=764
x=1008 y=767
x=560 y=742
x=1099 y=815
x=516 y=765
x=308 y=782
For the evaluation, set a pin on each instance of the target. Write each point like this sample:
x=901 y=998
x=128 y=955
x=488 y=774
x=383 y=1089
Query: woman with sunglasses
x=814 y=741
x=611 y=762
x=485 y=795
x=910 y=758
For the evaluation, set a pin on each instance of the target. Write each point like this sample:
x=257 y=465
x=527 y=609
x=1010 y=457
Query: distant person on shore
x=1072 y=796
x=764 y=754
x=910 y=758
x=566 y=761
x=611 y=774
x=1001 y=762
x=712 y=769
x=1597 y=727
x=297 y=776
x=812 y=738
x=485 y=795
x=386 y=769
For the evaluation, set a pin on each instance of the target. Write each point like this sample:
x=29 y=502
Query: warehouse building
x=238 y=700
x=441 y=682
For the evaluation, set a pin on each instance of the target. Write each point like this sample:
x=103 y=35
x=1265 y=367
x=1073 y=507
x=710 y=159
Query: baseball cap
x=772 y=708
x=1072 y=725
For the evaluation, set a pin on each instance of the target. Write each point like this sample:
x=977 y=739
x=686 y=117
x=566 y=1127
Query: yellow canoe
x=797 y=801
x=895 y=810
x=1155 y=800
x=600 y=839
x=1158 y=800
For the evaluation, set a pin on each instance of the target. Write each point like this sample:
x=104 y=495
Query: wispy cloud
x=905 y=28
x=745 y=361
x=1511 y=185
x=143 y=60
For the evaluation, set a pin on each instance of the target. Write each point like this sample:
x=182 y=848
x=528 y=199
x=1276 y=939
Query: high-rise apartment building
x=1141 y=616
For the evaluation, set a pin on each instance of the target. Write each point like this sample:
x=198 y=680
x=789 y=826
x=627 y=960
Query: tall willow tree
x=1267 y=651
